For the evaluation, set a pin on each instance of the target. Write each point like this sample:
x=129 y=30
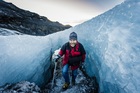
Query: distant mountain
x=14 y=18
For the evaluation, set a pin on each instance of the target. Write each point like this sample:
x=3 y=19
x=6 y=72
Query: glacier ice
x=114 y=48
x=22 y=87
x=23 y=58
x=7 y=32
x=112 y=42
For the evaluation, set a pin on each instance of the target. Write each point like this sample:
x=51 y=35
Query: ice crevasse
x=111 y=40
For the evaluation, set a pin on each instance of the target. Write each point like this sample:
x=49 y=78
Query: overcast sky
x=70 y=12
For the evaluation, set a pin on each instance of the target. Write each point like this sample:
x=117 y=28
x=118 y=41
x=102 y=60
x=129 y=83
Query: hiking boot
x=66 y=85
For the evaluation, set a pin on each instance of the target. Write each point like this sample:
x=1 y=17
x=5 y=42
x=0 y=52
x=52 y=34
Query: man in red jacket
x=74 y=55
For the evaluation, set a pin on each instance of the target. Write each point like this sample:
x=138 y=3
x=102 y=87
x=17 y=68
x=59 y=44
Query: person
x=74 y=55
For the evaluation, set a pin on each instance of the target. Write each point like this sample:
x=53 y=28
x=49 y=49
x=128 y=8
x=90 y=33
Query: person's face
x=72 y=42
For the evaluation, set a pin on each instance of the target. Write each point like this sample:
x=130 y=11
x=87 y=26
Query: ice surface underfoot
x=83 y=84
x=21 y=87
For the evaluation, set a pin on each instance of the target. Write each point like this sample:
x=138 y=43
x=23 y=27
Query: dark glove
x=56 y=58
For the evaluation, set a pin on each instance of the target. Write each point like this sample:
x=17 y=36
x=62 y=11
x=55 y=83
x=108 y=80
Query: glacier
x=7 y=32
x=111 y=40
x=23 y=58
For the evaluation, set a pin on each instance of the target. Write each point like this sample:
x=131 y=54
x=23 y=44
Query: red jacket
x=67 y=50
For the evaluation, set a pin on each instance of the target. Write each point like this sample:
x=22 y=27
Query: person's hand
x=56 y=58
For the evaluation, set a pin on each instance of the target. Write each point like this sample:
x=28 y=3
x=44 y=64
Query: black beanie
x=73 y=36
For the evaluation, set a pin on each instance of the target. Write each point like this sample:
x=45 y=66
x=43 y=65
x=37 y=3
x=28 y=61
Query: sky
x=67 y=12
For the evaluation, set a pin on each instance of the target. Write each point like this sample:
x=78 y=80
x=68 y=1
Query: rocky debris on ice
x=21 y=87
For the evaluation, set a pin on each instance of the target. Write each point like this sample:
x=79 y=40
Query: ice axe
x=55 y=65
